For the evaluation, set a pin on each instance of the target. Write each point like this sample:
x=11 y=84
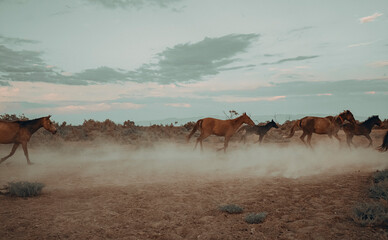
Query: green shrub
x=231 y=208
x=370 y=214
x=24 y=189
x=254 y=218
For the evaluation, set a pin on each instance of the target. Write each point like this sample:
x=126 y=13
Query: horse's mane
x=28 y=122
x=370 y=119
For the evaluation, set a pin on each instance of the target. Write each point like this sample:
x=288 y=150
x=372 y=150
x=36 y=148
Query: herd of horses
x=20 y=132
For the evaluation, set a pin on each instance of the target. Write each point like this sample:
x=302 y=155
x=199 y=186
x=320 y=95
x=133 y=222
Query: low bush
x=25 y=189
x=379 y=190
x=231 y=208
x=255 y=218
x=380 y=176
x=370 y=214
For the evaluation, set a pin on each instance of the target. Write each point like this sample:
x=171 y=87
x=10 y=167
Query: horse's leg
x=226 y=143
x=309 y=139
x=349 y=139
x=261 y=138
x=15 y=146
x=200 y=138
x=24 y=145
x=370 y=139
x=243 y=138
x=302 y=137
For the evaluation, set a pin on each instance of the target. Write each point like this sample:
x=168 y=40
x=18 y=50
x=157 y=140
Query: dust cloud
x=88 y=165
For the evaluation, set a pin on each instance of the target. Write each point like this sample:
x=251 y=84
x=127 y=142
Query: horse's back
x=8 y=131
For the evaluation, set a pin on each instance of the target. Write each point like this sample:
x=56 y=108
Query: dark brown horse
x=360 y=129
x=226 y=128
x=258 y=130
x=321 y=125
x=384 y=145
x=20 y=132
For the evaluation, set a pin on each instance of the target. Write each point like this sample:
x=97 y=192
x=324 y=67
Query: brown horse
x=363 y=129
x=20 y=132
x=384 y=145
x=259 y=130
x=321 y=125
x=226 y=128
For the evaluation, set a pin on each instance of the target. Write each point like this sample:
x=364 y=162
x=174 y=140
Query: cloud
x=360 y=44
x=193 y=61
x=137 y=4
x=187 y=62
x=16 y=41
x=370 y=18
x=234 y=99
x=379 y=64
x=324 y=94
x=178 y=105
x=299 y=58
x=370 y=92
x=93 y=107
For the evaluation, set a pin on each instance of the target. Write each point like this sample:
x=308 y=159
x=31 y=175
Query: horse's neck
x=34 y=125
x=339 y=120
x=267 y=127
x=237 y=122
x=368 y=124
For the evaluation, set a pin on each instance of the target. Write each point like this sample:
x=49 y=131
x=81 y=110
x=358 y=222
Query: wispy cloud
x=324 y=94
x=235 y=99
x=94 y=107
x=370 y=18
x=137 y=4
x=370 y=92
x=193 y=61
x=379 y=64
x=360 y=44
x=299 y=58
x=178 y=105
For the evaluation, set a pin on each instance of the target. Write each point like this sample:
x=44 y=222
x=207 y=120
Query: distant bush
x=255 y=218
x=25 y=189
x=231 y=208
x=380 y=176
x=370 y=214
x=379 y=190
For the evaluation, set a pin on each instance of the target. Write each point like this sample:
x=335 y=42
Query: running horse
x=259 y=130
x=384 y=145
x=363 y=129
x=20 y=132
x=213 y=126
x=321 y=125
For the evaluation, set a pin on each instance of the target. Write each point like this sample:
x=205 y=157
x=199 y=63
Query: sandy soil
x=168 y=191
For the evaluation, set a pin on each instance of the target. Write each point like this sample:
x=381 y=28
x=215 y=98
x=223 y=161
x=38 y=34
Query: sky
x=144 y=60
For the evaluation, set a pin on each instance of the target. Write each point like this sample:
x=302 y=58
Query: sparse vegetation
x=255 y=218
x=231 y=208
x=379 y=190
x=25 y=189
x=380 y=176
x=370 y=214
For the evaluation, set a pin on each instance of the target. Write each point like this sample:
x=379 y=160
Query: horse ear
x=49 y=116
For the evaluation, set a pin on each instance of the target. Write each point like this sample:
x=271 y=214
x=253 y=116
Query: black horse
x=258 y=130
x=361 y=129
x=384 y=145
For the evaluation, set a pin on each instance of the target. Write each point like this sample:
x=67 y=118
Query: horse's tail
x=198 y=125
x=292 y=132
x=384 y=145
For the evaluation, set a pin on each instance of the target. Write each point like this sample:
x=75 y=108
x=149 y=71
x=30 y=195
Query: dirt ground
x=169 y=191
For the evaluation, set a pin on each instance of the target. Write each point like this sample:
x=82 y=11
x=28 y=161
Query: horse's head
x=273 y=124
x=48 y=125
x=247 y=119
x=377 y=120
x=347 y=115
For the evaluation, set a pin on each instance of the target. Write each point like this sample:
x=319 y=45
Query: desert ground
x=102 y=190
